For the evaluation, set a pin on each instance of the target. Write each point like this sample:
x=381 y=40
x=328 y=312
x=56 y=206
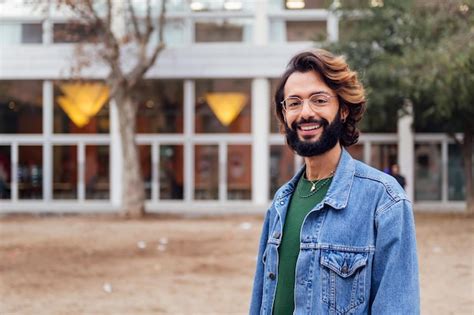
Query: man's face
x=311 y=130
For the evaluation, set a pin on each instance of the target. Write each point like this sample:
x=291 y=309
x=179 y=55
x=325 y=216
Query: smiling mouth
x=309 y=127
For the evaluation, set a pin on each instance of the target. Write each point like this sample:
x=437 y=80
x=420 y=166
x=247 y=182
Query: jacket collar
x=340 y=188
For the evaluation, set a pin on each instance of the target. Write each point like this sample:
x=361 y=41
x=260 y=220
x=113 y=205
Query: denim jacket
x=357 y=248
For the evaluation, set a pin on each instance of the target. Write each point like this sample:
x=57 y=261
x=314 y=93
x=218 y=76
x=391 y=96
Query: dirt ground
x=168 y=265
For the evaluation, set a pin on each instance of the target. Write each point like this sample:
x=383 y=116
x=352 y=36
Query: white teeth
x=307 y=128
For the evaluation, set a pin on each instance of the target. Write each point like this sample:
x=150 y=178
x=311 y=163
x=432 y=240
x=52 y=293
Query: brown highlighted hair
x=336 y=74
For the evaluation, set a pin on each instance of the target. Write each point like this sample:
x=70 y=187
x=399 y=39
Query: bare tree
x=119 y=29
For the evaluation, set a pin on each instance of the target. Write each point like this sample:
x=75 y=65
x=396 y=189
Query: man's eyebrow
x=313 y=93
x=321 y=92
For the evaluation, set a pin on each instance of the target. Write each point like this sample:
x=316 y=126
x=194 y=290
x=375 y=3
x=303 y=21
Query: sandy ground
x=168 y=265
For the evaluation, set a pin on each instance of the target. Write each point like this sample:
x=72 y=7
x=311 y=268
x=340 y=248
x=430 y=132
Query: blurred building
x=208 y=139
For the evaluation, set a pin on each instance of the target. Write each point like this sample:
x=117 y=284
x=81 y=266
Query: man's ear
x=344 y=112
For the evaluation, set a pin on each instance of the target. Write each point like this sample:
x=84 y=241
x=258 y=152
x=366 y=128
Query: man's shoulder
x=372 y=178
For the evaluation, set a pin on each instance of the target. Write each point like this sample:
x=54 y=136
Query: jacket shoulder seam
x=394 y=195
x=387 y=207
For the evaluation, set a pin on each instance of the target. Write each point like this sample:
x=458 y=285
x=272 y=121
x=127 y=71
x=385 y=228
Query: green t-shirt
x=290 y=244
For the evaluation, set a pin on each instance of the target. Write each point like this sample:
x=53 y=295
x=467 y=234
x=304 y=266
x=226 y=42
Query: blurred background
x=207 y=141
x=204 y=116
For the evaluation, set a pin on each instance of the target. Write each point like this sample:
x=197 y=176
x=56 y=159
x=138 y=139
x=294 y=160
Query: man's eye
x=320 y=100
x=293 y=103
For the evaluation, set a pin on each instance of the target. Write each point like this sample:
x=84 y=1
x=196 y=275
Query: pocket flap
x=345 y=264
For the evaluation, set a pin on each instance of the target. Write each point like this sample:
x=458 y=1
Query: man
x=395 y=172
x=339 y=237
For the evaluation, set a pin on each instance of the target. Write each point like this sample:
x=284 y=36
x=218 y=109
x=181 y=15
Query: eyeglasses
x=316 y=102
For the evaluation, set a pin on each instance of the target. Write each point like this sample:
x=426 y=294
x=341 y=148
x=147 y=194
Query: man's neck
x=322 y=166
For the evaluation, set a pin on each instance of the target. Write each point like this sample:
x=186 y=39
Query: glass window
x=5 y=172
x=282 y=166
x=277 y=30
x=239 y=172
x=223 y=30
x=32 y=33
x=223 y=105
x=298 y=31
x=97 y=172
x=171 y=171
x=30 y=172
x=21 y=112
x=81 y=107
x=74 y=32
x=206 y=174
x=177 y=5
x=65 y=172
x=146 y=166
x=160 y=106
x=427 y=171
x=456 y=177
x=20 y=33
x=356 y=151
x=383 y=156
x=174 y=32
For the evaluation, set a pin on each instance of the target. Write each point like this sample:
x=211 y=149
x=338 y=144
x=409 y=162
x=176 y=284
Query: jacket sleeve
x=395 y=287
x=257 y=292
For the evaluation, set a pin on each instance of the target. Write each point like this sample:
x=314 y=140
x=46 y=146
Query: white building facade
x=208 y=140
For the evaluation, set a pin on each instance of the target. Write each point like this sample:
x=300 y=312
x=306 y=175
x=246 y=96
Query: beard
x=328 y=139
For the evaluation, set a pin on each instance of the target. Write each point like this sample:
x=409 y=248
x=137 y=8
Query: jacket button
x=345 y=269
x=272 y=276
x=276 y=235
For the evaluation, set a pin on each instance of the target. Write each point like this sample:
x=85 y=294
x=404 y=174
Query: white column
x=14 y=174
x=260 y=37
x=188 y=144
x=155 y=176
x=48 y=112
x=406 y=149
x=332 y=27
x=47 y=31
x=48 y=25
x=81 y=171
x=444 y=170
x=116 y=158
x=260 y=143
x=367 y=152
x=222 y=171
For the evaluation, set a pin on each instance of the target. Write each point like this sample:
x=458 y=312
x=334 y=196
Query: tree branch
x=148 y=23
x=145 y=62
x=140 y=70
x=133 y=17
x=111 y=51
x=109 y=14
x=161 y=22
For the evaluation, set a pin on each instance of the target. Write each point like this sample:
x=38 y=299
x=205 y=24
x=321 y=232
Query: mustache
x=323 y=122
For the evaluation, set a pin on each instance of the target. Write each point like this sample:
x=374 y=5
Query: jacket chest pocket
x=343 y=275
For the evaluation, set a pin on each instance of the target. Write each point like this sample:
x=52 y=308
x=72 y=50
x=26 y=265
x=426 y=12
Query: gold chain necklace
x=314 y=189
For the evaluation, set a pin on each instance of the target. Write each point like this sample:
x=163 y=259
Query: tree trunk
x=467 y=156
x=133 y=189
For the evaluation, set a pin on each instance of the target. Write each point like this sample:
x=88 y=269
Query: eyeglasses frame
x=303 y=101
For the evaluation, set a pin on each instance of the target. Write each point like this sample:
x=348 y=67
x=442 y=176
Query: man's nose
x=306 y=110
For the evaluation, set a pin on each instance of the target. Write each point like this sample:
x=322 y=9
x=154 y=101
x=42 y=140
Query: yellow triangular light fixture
x=82 y=101
x=226 y=105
